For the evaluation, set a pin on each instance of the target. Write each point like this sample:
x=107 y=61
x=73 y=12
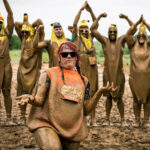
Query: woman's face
x=68 y=58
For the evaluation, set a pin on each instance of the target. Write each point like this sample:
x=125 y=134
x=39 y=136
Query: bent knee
x=6 y=92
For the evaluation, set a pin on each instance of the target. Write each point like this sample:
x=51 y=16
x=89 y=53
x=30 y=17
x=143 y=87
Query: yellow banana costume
x=87 y=41
x=54 y=37
x=2 y=32
x=142 y=29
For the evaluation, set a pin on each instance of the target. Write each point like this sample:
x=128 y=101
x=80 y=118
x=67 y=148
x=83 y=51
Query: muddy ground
x=100 y=137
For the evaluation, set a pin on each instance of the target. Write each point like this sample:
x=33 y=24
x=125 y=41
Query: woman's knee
x=47 y=139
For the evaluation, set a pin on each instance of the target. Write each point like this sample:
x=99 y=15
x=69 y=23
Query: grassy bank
x=15 y=55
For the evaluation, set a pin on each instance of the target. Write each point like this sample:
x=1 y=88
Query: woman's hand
x=25 y=99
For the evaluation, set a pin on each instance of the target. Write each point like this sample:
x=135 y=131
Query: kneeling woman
x=62 y=102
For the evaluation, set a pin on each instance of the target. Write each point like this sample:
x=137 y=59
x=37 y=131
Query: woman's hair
x=74 y=48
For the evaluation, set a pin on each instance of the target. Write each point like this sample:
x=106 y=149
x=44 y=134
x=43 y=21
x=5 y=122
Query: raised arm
x=36 y=38
x=10 y=20
x=122 y=16
x=18 y=27
x=76 y=20
x=89 y=9
x=37 y=23
x=123 y=37
x=131 y=32
x=94 y=31
x=146 y=24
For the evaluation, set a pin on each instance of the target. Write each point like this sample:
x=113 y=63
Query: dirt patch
x=100 y=137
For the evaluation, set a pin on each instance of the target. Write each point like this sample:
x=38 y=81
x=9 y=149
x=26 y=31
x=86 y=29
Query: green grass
x=15 y=55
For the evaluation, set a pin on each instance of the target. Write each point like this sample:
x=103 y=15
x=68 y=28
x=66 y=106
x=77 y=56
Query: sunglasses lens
x=84 y=31
x=25 y=32
x=112 y=31
x=73 y=54
x=141 y=36
x=65 y=54
x=1 y=22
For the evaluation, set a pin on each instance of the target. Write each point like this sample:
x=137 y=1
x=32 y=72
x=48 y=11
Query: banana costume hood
x=87 y=41
x=2 y=32
x=142 y=30
x=114 y=27
x=54 y=37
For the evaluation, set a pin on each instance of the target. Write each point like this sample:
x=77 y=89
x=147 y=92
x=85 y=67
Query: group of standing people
x=63 y=95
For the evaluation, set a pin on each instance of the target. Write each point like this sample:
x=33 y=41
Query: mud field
x=100 y=137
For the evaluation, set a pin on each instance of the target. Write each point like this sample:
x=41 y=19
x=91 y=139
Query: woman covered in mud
x=61 y=104
x=86 y=48
x=139 y=78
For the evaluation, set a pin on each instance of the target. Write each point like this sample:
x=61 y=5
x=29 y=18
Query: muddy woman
x=113 y=65
x=30 y=62
x=61 y=104
x=84 y=42
x=139 y=78
x=5 y=65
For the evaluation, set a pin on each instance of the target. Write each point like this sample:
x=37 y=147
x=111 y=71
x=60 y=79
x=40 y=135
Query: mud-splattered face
x=58 y=32
x=68 y=58
x=25 y=34
x=141 y=39
x=112 y=34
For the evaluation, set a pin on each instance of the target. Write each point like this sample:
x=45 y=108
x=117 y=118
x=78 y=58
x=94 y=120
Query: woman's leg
x=47 y=139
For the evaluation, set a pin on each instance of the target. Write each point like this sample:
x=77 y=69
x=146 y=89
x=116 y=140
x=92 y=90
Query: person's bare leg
x=20 y=92
x=146 y=114
x=6 y=92
x=137 y=113
x=108 y=107
x=120 y=106
x=47 y=139
x=93 y=120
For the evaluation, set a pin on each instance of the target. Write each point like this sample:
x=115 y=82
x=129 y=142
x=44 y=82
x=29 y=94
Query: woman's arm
x=131 y=32
x=90 y=105
x=38 y=99
x=94 y=31
x=18 y=27
x=89 y=9
x=76 y=20
x=10 y=19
